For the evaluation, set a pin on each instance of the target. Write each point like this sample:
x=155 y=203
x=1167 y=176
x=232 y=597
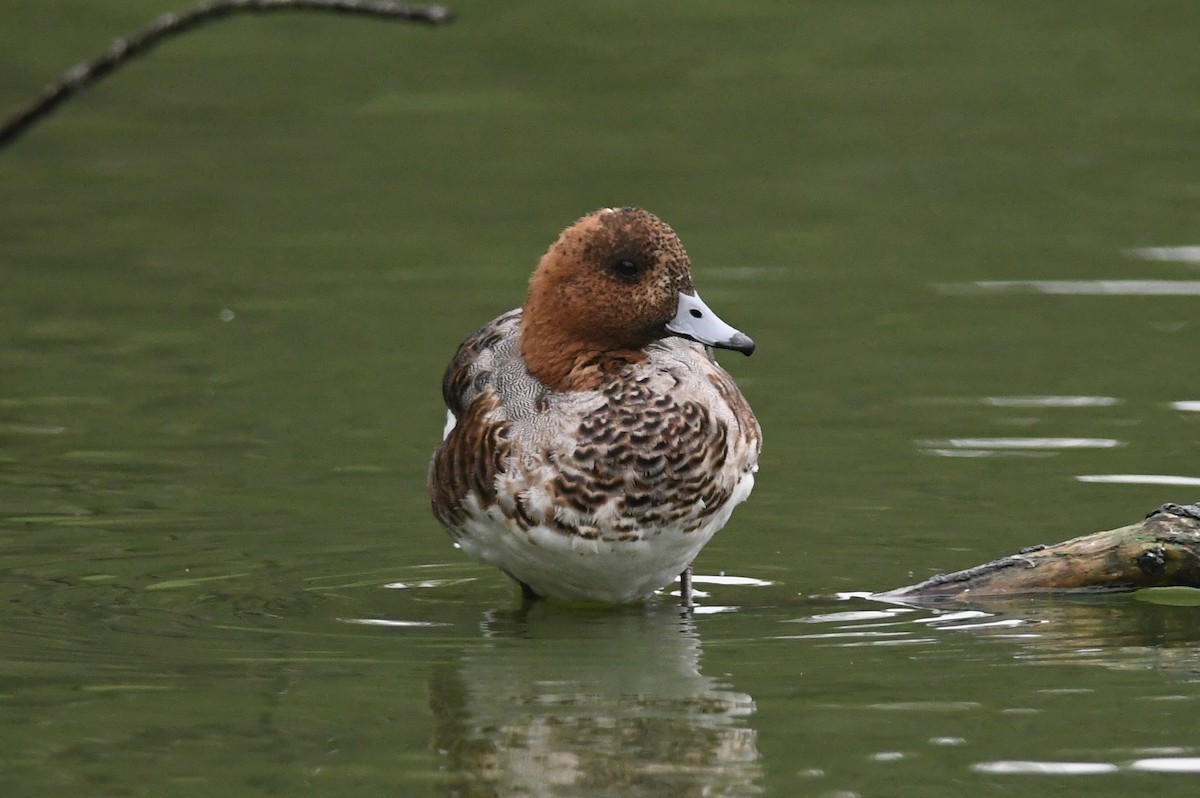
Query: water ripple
x=1007 y=767
x=1189 y=254
x=1185 y=764
x=1140 y=479
x=1077 y=287
x=1051 y=401
x=1181 y=764
x=1000 y=447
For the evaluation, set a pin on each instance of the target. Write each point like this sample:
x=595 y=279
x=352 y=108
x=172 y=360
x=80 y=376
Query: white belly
x=575 y=569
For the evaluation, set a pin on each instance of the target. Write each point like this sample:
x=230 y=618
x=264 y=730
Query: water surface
x=232 y=276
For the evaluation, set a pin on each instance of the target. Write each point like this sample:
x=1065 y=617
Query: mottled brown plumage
x=591 y=451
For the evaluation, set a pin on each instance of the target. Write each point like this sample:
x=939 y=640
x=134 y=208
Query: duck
x=593 y=445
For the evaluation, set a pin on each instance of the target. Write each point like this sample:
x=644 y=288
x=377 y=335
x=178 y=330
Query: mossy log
x=1161 y=551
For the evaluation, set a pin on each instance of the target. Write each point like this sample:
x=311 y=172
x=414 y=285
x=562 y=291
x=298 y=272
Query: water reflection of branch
x=553 y=703
x=85 y=74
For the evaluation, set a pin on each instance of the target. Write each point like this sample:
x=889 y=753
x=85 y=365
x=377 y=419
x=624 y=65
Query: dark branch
x=85 y=74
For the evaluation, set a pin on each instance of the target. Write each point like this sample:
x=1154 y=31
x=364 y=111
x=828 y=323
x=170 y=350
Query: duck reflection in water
x=554 y=703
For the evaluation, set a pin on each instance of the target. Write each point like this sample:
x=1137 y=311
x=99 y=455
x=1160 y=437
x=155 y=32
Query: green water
x=230 y=278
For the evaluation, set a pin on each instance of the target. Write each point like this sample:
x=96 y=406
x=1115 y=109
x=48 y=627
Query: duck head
x=613 y=283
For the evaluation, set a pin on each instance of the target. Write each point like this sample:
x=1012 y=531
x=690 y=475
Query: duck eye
x=626 y=269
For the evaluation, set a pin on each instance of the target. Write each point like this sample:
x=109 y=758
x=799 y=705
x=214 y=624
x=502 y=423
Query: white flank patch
x=450 y=422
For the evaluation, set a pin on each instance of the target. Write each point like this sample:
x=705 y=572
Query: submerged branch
x=1161 y=551
x=122 y=51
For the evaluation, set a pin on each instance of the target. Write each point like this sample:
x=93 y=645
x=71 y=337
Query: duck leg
x=685 y=588
x=527 y=593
